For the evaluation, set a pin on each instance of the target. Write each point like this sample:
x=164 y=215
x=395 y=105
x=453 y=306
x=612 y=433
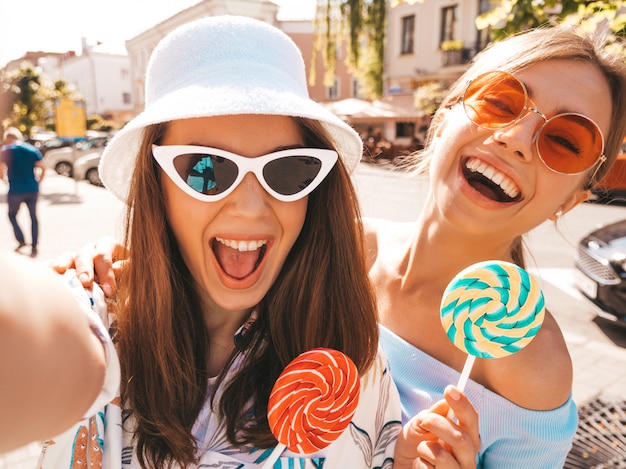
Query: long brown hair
x=322 y=298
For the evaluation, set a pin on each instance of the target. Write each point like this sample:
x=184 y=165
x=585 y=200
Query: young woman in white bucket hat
x=232 y=275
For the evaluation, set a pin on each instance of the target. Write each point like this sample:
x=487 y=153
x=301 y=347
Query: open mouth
x=238 y=258
x=490 y=182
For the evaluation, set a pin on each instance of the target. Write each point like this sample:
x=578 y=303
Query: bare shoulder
x=539 y=377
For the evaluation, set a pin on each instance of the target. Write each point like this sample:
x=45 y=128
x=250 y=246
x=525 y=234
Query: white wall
x=102 y=79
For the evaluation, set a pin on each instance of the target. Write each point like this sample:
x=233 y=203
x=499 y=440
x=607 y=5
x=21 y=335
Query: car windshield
x=55 y=142
x=86 y=144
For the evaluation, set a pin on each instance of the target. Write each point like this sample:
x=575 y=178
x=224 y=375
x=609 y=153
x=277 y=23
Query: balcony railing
x=456 y=56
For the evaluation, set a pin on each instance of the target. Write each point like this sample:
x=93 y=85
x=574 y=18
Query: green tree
x=27 y=98
x=362 y=25
x=23 y=98
x=512 y=16
x=428 y=97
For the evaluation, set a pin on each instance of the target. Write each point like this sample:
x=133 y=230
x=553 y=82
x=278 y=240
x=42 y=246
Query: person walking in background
x=18 y=161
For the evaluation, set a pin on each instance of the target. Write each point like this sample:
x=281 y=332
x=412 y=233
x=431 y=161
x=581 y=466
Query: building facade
x=430 y=41
x=103 y=77
x=100 y=74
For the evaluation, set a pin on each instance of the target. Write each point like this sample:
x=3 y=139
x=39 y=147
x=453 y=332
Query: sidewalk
x=599 y=369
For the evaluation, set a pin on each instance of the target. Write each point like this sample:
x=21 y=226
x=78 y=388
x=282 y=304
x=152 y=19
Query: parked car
x=613 y=184
x=53 y=144
x=62 y=159
x=86 y=167
x=601 y=270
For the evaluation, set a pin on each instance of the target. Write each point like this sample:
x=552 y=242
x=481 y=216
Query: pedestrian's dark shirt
x=20 y=159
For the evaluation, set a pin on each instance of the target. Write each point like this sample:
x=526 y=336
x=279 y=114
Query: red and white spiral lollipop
x=313 y=401
x=490 y=310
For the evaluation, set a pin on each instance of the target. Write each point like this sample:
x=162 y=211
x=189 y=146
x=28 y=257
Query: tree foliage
x=22 y=97
x=428 y=97
x=512 y=16
x=27 y=98
x=361 y=24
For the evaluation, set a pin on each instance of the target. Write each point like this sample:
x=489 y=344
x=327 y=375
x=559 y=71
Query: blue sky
x=59 y=25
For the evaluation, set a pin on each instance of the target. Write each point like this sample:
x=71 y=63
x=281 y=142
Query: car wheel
x=64 y=169
x=94 y=177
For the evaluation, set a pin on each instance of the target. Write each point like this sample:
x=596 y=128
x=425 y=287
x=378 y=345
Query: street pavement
x=72 y=213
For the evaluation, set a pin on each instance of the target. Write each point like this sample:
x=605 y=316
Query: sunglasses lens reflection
x=211 y=175
x=206 y=174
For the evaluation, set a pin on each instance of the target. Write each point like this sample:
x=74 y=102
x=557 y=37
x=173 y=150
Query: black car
x=601 y=270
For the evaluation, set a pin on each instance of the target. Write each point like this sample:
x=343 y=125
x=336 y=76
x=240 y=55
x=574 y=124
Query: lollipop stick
x=269 y=462
x=467 y=369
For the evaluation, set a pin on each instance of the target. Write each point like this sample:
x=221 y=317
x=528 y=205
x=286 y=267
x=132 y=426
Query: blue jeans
x=15 y=201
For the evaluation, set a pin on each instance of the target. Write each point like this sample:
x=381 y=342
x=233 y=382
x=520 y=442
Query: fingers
x=62 y=263
x=96 y=262
x=93 y=262
x=467 y=421
x=412 y=435
x=439 y=441
x=107 y=263
x=83 y=263
x=432 y=454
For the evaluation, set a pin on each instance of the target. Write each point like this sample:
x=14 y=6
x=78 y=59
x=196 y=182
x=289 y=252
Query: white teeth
x=242 y=245
x=505 y=183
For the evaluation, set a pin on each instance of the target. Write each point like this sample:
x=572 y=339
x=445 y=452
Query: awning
x=394 y=108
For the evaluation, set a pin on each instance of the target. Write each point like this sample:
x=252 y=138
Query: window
x=483 y=35
x=408 y=30
x=356 y=87
x=126 y=98
x=448 y=24
x=405 y=129
x=332 y=92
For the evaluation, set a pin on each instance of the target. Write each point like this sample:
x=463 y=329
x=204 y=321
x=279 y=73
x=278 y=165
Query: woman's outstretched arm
x=52 y=365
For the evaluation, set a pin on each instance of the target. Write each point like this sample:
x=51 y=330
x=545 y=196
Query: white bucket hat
x=222 y=65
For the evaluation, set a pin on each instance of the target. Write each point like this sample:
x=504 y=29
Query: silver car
x=62 y=159
x=86 y=167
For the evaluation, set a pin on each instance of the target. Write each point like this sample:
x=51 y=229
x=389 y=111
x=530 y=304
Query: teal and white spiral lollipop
x=490 y=310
